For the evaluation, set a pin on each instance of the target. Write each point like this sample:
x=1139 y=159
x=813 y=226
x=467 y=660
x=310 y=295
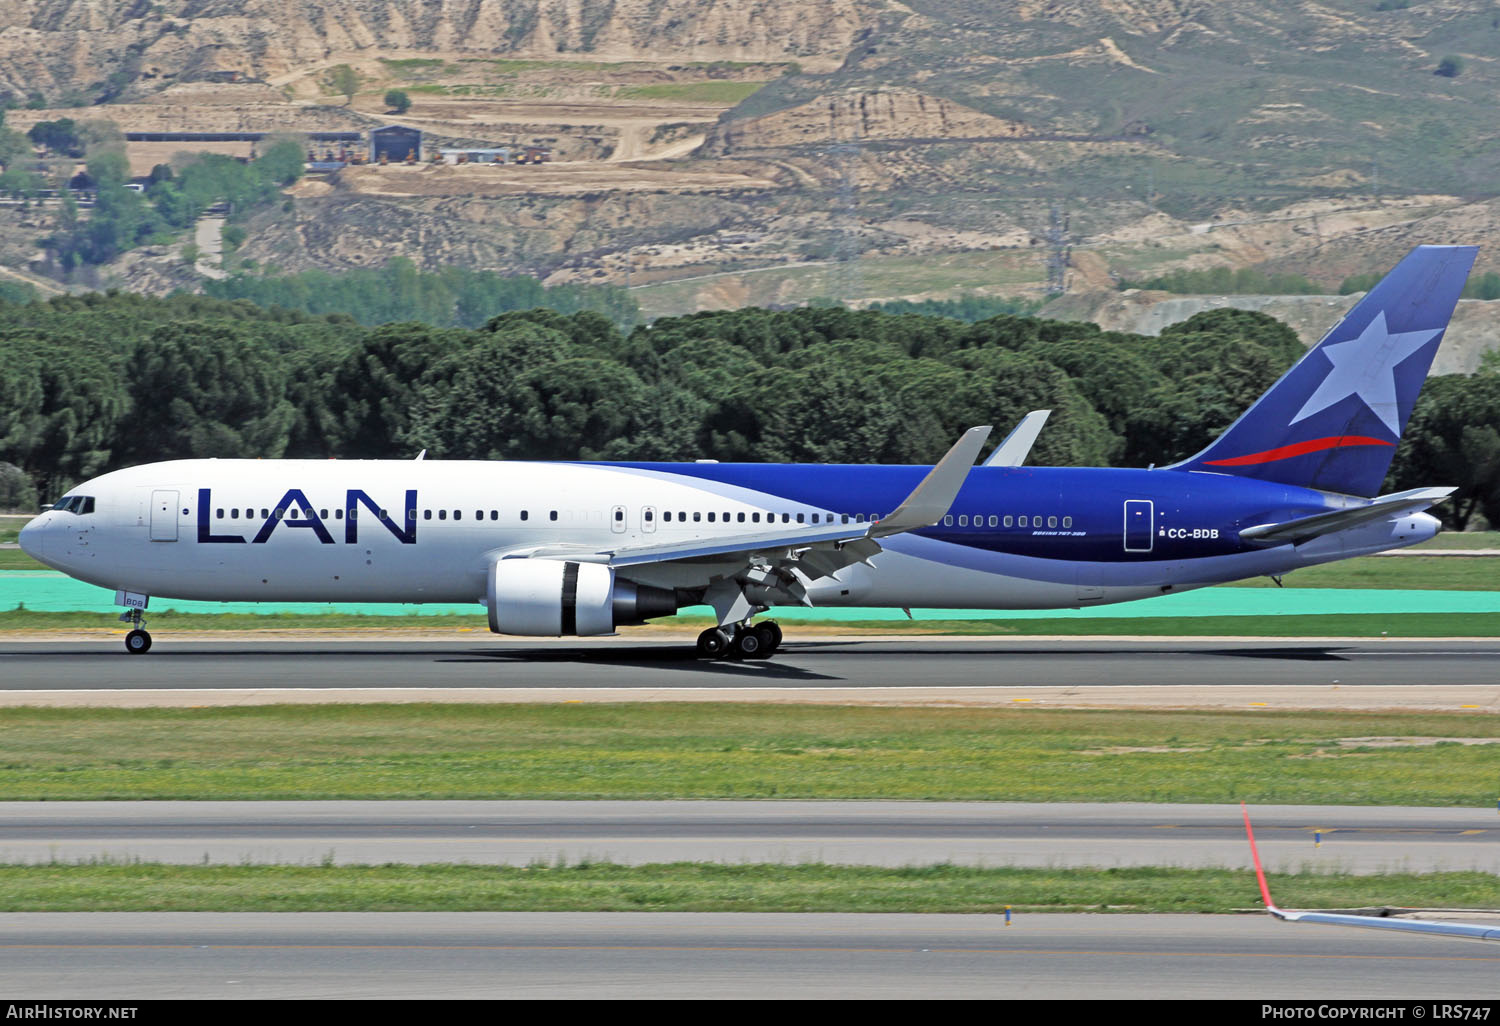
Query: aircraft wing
x=1471 y=931
x=1306 y=528
x=815 y=551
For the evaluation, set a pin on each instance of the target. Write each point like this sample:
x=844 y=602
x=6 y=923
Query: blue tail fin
x=1332 y=422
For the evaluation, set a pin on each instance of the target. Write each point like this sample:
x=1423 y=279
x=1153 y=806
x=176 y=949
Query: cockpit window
x=79 y=504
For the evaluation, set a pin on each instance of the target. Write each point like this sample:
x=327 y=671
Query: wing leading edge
x=1470 y=931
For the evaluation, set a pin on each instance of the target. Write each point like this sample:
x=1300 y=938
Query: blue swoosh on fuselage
x=1093 y=497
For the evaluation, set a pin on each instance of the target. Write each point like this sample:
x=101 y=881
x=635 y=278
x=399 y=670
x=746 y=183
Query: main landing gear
x=740 y=641
x=138 y=641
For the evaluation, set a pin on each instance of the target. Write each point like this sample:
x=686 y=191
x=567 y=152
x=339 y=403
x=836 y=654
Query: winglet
x=1012 y=452
x=1467 y=931
x=930 y=501
x=1260 y=874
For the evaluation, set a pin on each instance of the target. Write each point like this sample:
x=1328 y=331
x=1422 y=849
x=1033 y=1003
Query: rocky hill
x=65 y=50
x=713 y=152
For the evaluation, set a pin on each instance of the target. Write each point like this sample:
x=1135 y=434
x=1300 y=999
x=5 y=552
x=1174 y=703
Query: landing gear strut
x=138 y=641
x=740 y=641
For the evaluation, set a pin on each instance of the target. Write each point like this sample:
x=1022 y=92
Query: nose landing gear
x=740 y=641
x=138 y=641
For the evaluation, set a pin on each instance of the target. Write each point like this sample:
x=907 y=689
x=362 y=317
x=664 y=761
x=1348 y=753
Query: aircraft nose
x=33 y=538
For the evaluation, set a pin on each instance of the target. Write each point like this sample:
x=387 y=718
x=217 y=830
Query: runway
x=1448 y=674
x=713 y=955
x=1292 y=837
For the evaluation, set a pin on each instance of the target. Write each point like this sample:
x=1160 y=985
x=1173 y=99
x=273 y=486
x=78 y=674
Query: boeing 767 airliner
x=572 y=549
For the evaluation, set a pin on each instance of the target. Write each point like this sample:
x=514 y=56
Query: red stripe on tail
x=1297 y=449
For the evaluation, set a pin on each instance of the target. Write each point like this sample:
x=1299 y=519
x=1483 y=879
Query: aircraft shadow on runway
x=749 y=670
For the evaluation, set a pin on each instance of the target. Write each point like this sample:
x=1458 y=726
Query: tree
x=212 y=390
x=16 y=489
x=342 y=79
x=397 y=101
x=60 y=136
x=1452 y=439
x=1450 y=67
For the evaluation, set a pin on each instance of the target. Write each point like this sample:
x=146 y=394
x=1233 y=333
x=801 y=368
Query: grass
x=714 y=92
x=742 y=751
x=15 y=559
x=1439 y=573
x=705 y=887
x=1463 y=540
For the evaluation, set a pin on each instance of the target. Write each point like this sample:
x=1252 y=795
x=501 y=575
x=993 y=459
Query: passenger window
x=994 y=520
x=427 y=514
x=218 y=514
x=1067 y=521
x=524 y=514
x=786 y=518
x=710 y=518
x=815 y=518
x=697 y=517
x=265 y=514
x=1021 y=521
x=552 y=515
x=755 y=518
x=442 y=514
x=1009 y=521
x=338 y=514
x=739 y=518
x=963 y=520
x=650 y=516
x=948 y=520
x=458 y=514
x=801 y=519
x=1051 y=521
x=620 y=515
x=859 y=518
x=494 y=514
x=322 y=514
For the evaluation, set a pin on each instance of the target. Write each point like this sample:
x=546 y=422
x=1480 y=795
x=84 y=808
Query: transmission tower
x=847 y=286
x=1059 y=252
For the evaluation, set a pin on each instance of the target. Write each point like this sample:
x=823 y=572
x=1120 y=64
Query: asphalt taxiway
x=723 y=955
x=880 y=833
x=1447 y=674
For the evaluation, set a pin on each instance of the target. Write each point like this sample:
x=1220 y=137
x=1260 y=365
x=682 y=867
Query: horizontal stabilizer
x=1017 y=445
x=1294 y=532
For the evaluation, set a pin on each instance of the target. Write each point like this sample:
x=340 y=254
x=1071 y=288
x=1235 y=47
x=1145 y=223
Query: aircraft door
x=1139 y=532
x=648 y=519
x=164 y=516
x=617 y=519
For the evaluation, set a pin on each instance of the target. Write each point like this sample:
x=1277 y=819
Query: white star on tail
x=1366 y=367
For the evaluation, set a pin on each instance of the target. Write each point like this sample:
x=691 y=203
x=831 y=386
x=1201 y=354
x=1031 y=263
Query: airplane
x=1470 y=931
x=580 y=549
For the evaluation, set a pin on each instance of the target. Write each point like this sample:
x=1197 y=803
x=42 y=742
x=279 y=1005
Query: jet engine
x=553 y=598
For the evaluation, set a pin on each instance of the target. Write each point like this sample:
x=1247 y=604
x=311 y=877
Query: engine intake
x=556 y=598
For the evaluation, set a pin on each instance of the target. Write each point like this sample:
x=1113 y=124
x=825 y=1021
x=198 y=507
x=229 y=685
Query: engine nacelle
x=555 y=598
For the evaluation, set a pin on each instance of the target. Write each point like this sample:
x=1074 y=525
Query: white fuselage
x=304 y=530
